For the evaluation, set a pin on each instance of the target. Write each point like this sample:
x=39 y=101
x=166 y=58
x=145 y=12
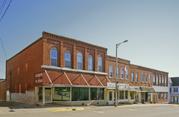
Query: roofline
x=24 y=49
x=71 y=39
x=118 y=58
x=174 y=77
x=148 y=68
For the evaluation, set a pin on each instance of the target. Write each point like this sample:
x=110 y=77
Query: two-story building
x=58 y=69
x=174 y=90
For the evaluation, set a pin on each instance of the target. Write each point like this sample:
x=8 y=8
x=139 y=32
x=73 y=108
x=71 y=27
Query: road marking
x=65 y=109
x=100 y=112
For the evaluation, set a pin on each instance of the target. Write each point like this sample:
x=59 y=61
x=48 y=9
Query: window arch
x=100 y=63
x=110 y=71
x=126 y=72
x=122 y=72
x=67 y=58
x=132 y=76
x=79 y=60
x=53 y=56
x=90 y=62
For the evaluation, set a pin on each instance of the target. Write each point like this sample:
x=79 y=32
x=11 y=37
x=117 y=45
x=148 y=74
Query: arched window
x=90 y=62
x=79 y=60
x=100 y=63
x=117 y=72
x=132 y=76
x=67 y=58
x=126 y=72
x=110 y=71
x=122 y=72
x=54 y=56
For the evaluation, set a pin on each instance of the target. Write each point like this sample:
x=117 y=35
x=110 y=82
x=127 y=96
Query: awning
x=74 y=79
x=147 y=89
x=134 y=88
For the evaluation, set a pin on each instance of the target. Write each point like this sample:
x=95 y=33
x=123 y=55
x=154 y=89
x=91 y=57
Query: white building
x=174 y=90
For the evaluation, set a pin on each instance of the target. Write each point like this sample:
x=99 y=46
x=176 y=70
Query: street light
x=116 y=89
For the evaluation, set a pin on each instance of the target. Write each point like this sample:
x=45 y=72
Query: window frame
x=53 y=51
x=70 y=62
x=79 y=60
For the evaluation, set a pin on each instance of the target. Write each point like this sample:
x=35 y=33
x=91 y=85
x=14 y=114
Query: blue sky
x=151 y=26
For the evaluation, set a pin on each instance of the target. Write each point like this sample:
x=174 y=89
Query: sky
x=150 y=26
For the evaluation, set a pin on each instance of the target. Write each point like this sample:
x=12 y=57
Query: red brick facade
x=3 y=88
x=26 y=70
x=23 y=66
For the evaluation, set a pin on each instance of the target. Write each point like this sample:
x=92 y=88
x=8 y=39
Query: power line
x=3 y=48
x=2 y=6
x=5 y=10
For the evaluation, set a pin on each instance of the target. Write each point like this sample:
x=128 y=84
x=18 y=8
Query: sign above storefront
x=120 y=86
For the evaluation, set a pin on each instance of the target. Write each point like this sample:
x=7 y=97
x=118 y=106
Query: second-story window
x=126 y=72
x=136 y=76
x=154 y=80
x=132 y=76
x=117 y=72
x=79 y=60
x=90 y=62
x=141 y=77
x=175 y=90
x=122 y=72
x=110 y=71
x=100 y=63
x=54 y=57
x=157 y=79
x=164 y=81
x=67 y=58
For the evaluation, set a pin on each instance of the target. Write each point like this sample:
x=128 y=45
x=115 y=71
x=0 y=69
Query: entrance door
x=48 y=97
x=110 y=96
x=40 y=94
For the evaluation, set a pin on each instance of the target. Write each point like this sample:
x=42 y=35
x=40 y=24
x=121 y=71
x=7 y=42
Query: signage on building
x=38 y=78
x=120 y=86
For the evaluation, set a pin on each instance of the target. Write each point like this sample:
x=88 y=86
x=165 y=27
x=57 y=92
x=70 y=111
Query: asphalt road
x=156 y=110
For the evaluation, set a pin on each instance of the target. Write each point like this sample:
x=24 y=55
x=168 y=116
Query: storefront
x=147 y=94
x=67 y=95
x=161 y=94
x=125 y=93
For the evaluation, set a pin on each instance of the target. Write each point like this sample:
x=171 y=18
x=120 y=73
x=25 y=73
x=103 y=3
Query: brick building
x=3 y=88
x=57 y=69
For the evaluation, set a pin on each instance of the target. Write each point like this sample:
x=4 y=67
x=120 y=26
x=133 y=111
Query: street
x=139 y=110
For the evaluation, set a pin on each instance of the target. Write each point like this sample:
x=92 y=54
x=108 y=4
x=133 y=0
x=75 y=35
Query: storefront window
x=97 y=94
x=40 y=94
x=61 y=94
x=126 y=94
x=79 y=93
x=121 y=94
x=132 y=95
